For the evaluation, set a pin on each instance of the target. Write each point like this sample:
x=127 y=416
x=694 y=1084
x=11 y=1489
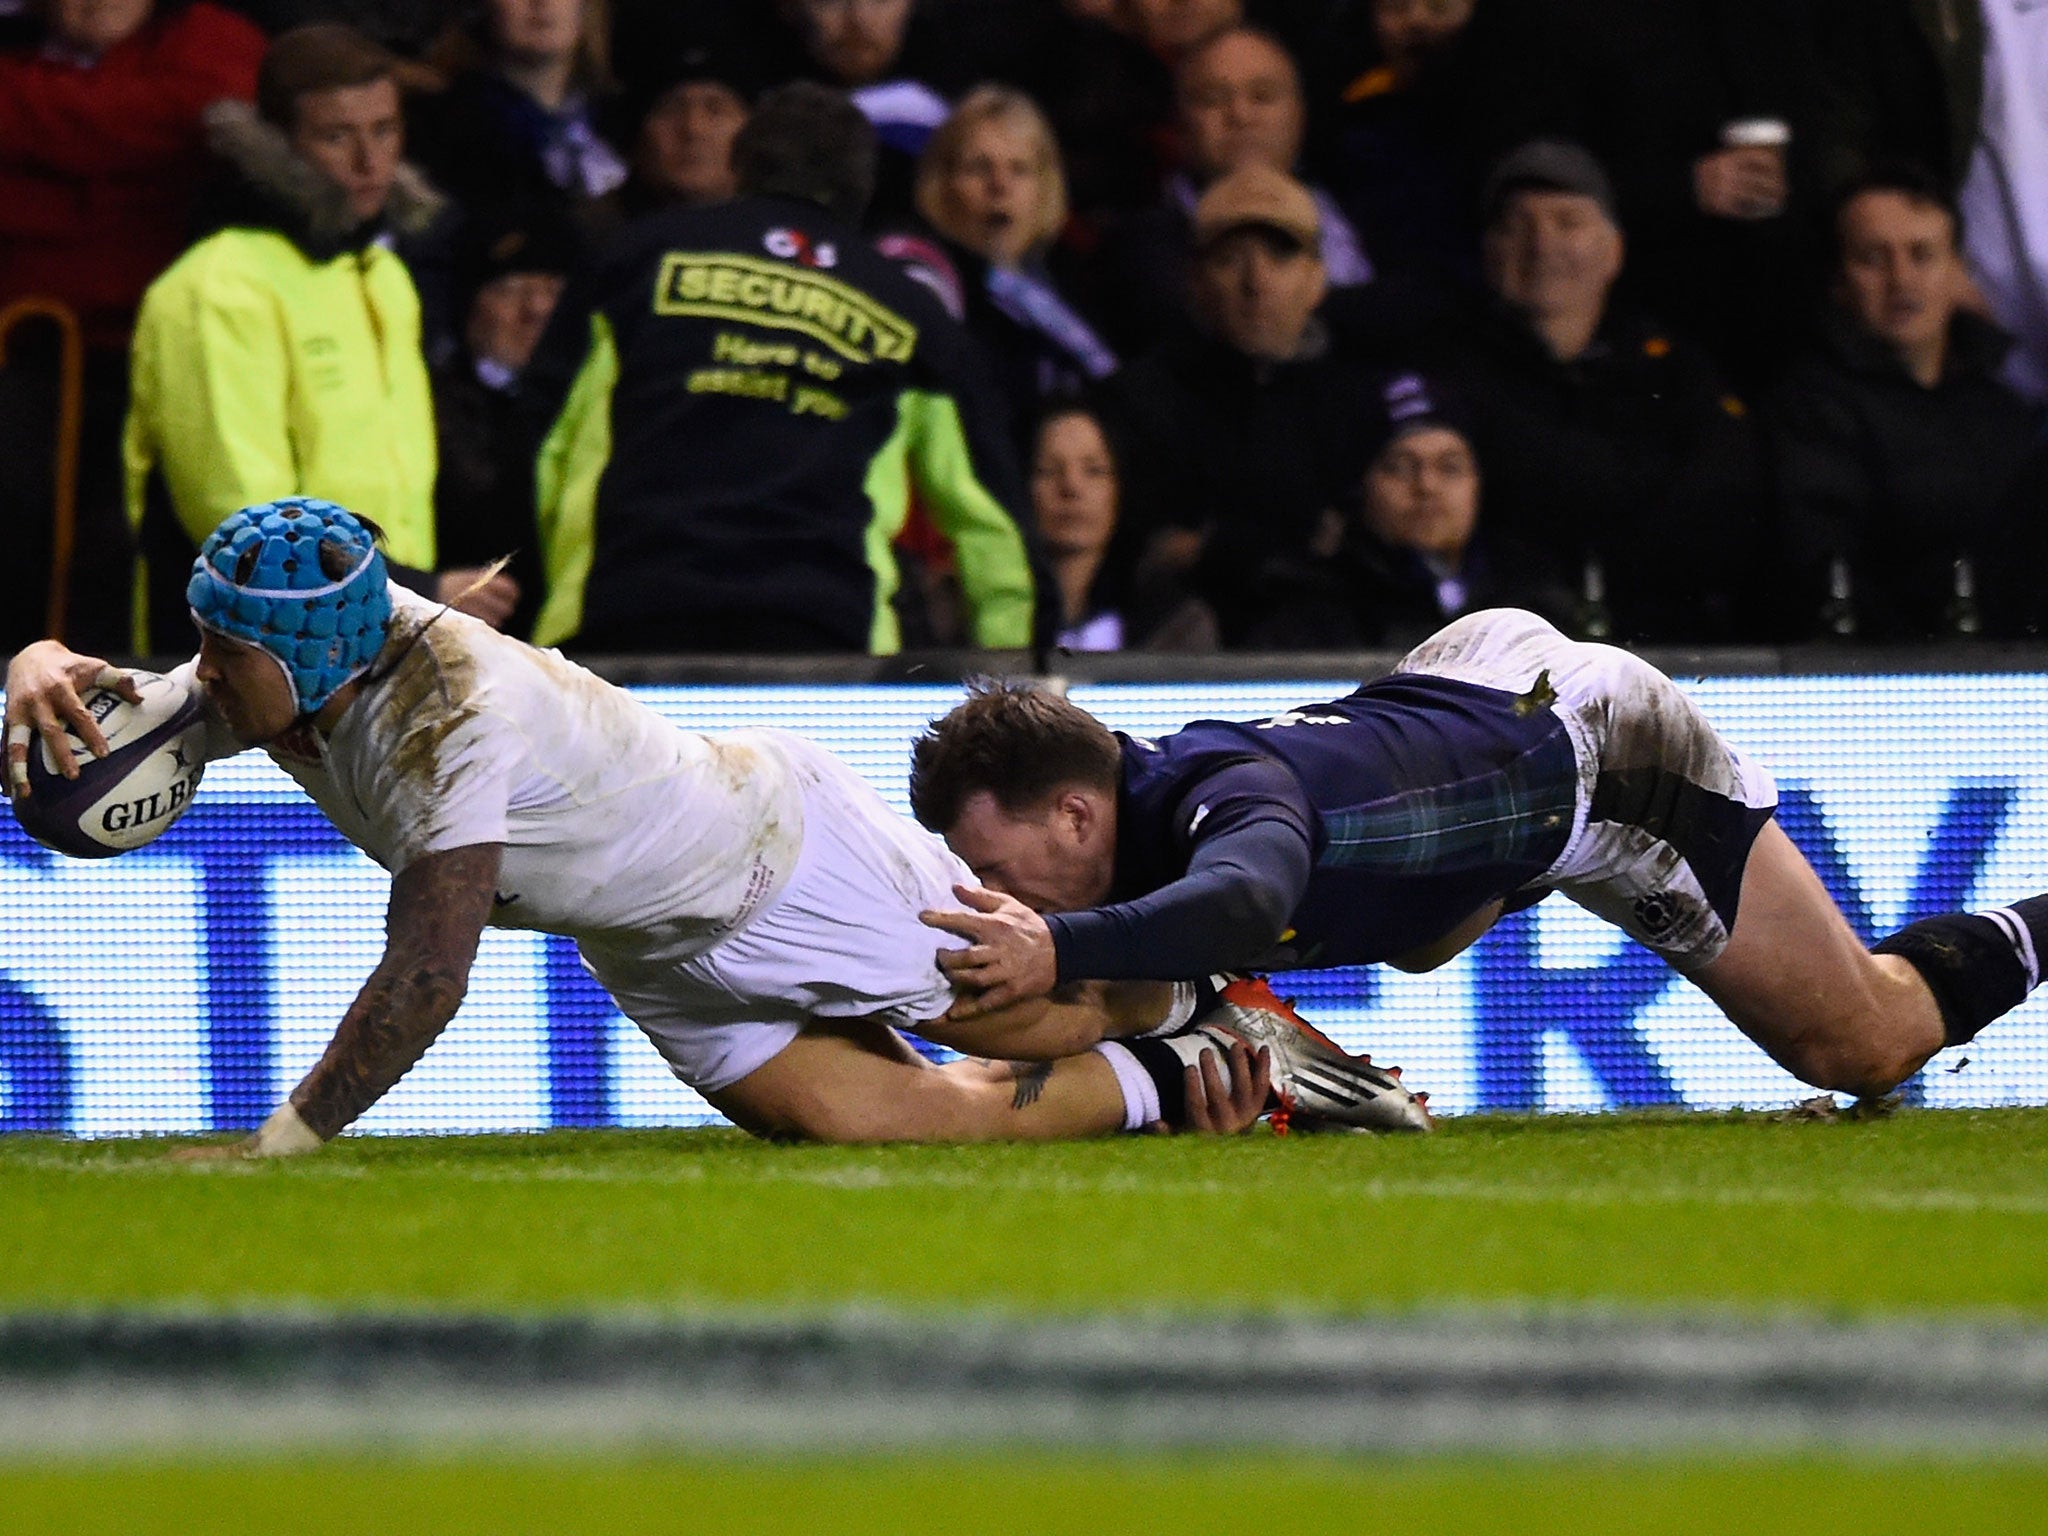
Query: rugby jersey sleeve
x=1247 y=828
x=446 y=782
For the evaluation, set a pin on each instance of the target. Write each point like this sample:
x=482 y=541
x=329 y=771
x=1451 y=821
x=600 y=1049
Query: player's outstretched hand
x=1009 y=955
x=248 y=1149
x=284 y=1134
x=44 y=684
x=1225 y=1109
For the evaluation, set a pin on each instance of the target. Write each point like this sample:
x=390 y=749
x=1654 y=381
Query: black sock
x=1979 y=965
x=1163 y=1064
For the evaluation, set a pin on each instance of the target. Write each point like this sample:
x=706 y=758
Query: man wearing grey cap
x=1243 y=432
x=1705 y=114
x=1608 y=437
x=1553 y=243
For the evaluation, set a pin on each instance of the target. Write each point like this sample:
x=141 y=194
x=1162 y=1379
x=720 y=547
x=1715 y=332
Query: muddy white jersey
x=622 y=830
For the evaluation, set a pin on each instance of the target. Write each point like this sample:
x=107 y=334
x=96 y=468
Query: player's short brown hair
x=1015 y=740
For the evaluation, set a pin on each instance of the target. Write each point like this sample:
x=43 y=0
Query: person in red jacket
x=101 y=155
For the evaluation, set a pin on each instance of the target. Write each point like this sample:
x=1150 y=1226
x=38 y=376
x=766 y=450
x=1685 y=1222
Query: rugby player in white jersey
x=746 y=899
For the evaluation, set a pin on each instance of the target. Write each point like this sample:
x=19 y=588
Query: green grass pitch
x=1929 y=1215
x=1922 y=1214
x=1028 y=1495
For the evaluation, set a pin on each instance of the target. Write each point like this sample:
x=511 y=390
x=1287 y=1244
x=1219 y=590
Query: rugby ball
x=156 y=754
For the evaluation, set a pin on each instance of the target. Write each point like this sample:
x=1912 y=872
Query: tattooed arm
x=1074 y=1018
x=438 y=909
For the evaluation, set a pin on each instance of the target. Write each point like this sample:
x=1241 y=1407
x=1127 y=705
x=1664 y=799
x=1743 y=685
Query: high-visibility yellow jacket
x=259 y=372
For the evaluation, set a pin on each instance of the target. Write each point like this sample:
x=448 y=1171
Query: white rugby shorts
x=841 y=940
x=1667 y=807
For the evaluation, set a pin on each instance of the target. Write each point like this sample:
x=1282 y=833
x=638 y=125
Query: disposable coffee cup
x=1756 y=133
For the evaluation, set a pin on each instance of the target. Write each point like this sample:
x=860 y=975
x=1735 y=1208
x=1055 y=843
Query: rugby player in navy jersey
x=1499 y=762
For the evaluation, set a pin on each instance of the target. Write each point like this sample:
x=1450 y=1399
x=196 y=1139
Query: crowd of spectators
x=849 y=325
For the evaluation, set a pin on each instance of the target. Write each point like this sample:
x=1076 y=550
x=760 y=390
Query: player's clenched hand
x=1009 y=955
x=44 y=683
x=1225 y=1109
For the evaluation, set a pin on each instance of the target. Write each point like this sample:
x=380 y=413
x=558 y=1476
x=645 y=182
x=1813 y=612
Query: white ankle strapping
x=1141 y=1098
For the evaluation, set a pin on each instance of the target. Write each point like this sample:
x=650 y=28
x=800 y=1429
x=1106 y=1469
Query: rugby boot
x=1318 y=1085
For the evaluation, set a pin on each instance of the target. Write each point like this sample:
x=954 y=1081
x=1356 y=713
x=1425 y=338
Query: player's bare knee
x=776 y=1111
x=815 y=1119
x=1864 y=1062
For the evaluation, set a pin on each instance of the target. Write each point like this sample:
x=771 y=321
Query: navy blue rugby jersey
x=1334 y=834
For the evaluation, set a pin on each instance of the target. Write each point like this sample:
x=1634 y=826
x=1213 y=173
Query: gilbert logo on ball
x=156 y=754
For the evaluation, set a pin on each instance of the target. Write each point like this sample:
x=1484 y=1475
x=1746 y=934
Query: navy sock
x=1164 y=1066
x=1979 y=965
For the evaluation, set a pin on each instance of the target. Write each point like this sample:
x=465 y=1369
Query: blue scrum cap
x=302 y=579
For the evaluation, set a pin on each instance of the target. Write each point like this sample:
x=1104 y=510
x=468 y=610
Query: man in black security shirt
x=1499 y=762
x=738 y=405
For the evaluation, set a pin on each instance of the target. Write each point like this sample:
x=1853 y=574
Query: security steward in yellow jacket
x=735 y=408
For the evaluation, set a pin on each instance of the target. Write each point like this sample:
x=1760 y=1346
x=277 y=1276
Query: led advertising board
x=188 y=985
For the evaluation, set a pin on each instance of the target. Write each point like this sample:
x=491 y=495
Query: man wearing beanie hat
x=748 y=900
x=1608 y=437
x=689 y=112
x=1548 y=165
x=1410 y=549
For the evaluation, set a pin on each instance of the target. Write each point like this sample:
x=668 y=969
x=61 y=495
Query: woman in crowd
x=990 y=184
x=1103 y=603
x=525 y=119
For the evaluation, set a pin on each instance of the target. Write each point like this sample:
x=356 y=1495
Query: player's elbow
x=1256 y=917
